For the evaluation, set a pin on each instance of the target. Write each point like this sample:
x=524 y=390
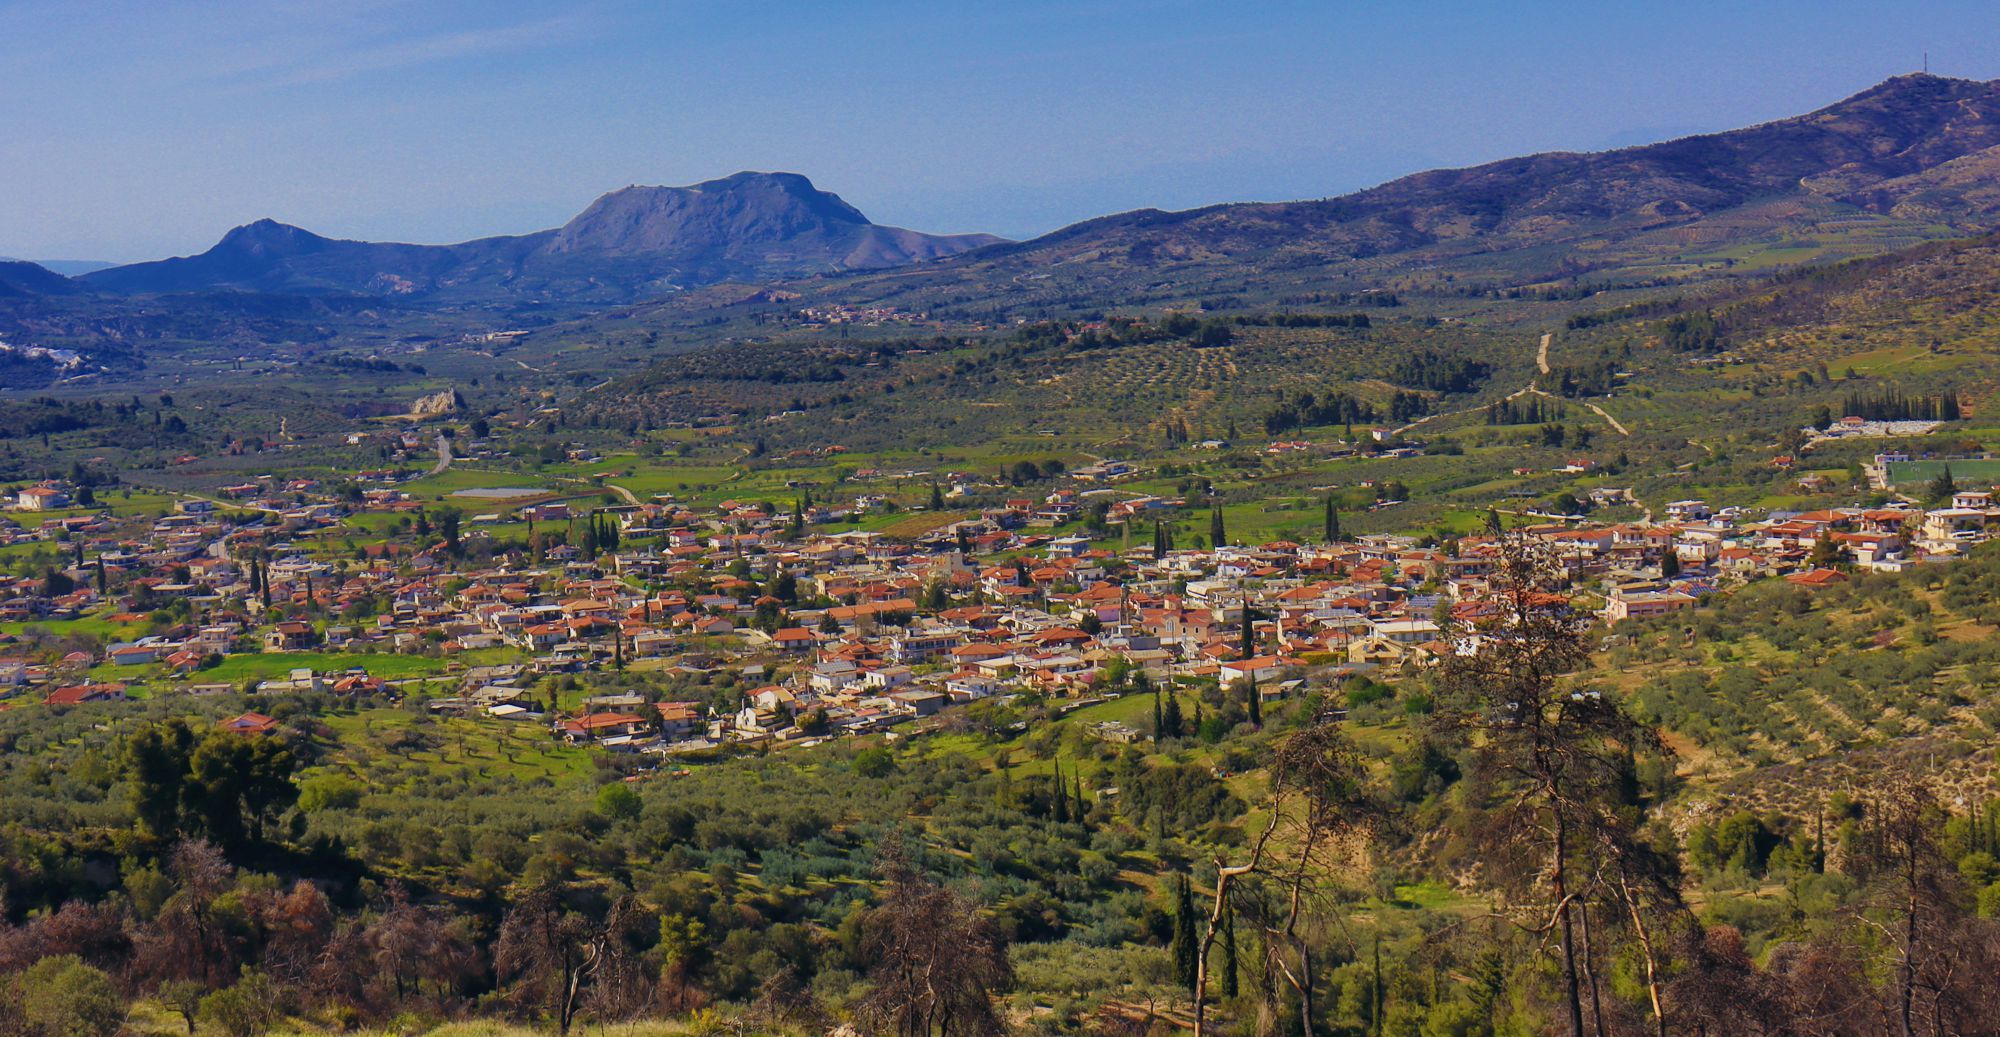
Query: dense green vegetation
x=239 y=879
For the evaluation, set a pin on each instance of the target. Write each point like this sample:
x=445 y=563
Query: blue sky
x=138 y=129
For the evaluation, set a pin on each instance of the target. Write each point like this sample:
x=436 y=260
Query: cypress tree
x=1187 y=940
x=1061 y=804
x=1332 y=521
x=1003 y=793
x=1944 y=485
x=1172 y=718
x=1255 y=705
x=1378 y=997
x=1216 y=536
x=102 y=582
x=1159 y=721
x=1249 y=629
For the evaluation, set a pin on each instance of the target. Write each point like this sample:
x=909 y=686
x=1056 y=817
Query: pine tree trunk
x=1573 y=988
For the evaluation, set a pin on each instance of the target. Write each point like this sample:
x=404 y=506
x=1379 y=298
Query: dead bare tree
x=784 y=1002
x=622 y=988
x=188 y=940
x=1320 y=796
x=551 y=952
x=936 y=960
x=1943 y=958
x=1549 y=752
x=296 y=927
x=1646 y=884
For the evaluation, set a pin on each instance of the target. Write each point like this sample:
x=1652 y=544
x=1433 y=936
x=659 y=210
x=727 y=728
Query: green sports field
x=1907 y=474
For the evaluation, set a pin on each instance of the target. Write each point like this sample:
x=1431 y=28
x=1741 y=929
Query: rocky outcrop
x=437 y=403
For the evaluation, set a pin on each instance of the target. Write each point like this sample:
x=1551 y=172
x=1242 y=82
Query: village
x=826 y=633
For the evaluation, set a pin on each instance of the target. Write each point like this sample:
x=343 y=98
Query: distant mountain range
x=65 y=267
x=1913 y=158
x=635 y=241
x=19 y=278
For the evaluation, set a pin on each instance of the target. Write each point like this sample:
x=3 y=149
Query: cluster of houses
x=832 y=633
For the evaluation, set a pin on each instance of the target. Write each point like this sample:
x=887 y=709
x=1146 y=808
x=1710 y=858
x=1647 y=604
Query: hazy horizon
x=150 y=132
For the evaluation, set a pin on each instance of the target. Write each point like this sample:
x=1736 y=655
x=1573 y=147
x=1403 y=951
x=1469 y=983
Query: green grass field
x=93 y=626
x=236 y=669
x=1126 y=709
x=1968 y=474
x=439 y=487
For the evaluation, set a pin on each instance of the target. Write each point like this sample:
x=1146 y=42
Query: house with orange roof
x=597 y=727
x=77 y=694
x=793 y=639
x=249 y=724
